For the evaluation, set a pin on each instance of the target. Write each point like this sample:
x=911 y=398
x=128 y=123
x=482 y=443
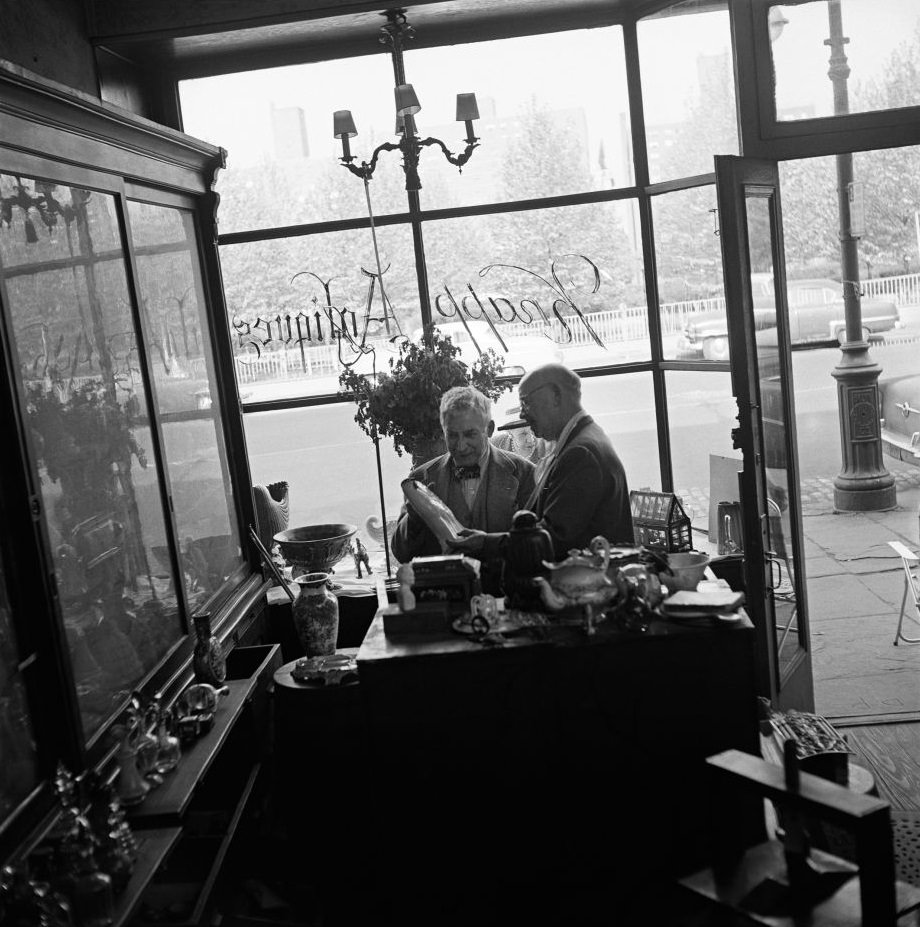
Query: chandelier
x=394 y=34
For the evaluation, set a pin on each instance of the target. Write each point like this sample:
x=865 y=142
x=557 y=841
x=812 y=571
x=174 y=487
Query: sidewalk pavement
x=854 y=585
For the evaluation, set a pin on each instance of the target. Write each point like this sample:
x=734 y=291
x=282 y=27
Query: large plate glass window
x=186 y=398
x=554 y=117
x=688 y=89
x=880 y=39
x=689 y=264
x=552 y=285
x=282 y=160
x=88 y=415
x=289 y=300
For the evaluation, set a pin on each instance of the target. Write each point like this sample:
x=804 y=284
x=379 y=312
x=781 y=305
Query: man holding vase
x=481 y=484
x=581 y=489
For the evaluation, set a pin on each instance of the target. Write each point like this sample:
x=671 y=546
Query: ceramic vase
x=316 y=615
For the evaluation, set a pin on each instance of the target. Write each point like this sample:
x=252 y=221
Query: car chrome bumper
x=901 y=447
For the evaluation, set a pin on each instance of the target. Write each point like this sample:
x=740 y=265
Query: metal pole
x=863 y=483
x=383 y=508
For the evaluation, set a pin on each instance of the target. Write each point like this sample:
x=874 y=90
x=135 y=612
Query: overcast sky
x=578 y=69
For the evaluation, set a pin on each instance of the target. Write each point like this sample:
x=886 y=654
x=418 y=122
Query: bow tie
x=467 y=473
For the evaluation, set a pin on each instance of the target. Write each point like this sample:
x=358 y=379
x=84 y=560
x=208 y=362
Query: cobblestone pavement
x=817 y=494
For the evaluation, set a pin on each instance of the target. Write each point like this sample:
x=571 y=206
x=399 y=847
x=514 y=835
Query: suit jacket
x=585 y=492
x=506 y=485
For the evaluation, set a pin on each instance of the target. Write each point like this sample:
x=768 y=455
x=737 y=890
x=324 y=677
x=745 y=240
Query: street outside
x=853 y=579
x=330 y=463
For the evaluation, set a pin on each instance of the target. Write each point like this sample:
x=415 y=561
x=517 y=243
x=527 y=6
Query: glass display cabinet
x=120 y=482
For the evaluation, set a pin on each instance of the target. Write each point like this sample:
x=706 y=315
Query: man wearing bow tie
x=481 y=484
x=581 y=489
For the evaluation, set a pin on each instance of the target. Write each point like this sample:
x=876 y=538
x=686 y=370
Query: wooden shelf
x=206 y=890
x=153 y=845
x=169 y=801
x=205 y=809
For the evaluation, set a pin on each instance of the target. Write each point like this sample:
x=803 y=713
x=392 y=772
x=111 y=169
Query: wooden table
x=557 y=760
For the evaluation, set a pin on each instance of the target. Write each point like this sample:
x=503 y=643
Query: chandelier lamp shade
x=394 y=34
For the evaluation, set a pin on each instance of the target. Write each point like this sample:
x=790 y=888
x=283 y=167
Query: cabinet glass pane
x=18 y=772
x=88 y=413
x=186 y=398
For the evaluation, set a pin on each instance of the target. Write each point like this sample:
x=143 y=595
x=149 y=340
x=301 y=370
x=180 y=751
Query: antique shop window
x=186 y=398
x=688 y=90
x=329 y=464
x=624 y=406
x=282 y=166
x=879 y=39
x=689 y=264
x=554 y=116
x=88 y=414
x=289 y=299
x=701 y=415
x=514 y=271
x=18 y=769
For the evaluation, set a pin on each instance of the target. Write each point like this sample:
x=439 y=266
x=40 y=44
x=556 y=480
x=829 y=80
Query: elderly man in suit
x=482 y=485
x=581 y=488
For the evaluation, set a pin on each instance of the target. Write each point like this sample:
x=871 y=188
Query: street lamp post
x=863 y=484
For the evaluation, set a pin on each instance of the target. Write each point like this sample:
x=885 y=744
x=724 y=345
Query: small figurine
x=359 y=552
x=405 y=597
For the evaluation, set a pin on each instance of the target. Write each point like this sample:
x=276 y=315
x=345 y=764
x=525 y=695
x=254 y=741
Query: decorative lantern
x=659 y=521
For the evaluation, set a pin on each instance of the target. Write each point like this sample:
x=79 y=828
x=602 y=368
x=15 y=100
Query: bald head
x=567 y=381
x=550 y=395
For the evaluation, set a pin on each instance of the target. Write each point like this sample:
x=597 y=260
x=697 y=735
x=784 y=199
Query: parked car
x=816 y=316
x=899 y=408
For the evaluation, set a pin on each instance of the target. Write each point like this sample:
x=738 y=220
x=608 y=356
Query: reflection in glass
x=881 y=51
x=544 y=130
x=688 y=90
x=509 y=261
x=185 y=386
x=87 y=411
x=279 y=295
x=775 y=436
x=689 y=257
x=18 y=770
x=701 y=414
x=283 y=166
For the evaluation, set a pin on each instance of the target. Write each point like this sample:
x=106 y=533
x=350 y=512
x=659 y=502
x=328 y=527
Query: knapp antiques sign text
x=326 y=323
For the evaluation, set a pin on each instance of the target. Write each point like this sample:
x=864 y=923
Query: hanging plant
x=403 y=402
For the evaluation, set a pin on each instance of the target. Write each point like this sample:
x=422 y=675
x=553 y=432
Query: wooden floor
x=892 y=753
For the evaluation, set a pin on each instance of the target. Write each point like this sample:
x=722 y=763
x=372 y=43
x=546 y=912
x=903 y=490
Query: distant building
x=289 y=132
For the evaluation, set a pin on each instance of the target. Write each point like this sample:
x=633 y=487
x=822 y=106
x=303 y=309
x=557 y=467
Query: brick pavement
x=854 y=587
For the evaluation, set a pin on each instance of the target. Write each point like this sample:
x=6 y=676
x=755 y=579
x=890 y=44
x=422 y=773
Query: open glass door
x=758 y=327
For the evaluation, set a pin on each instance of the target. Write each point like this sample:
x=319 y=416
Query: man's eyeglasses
x=525 y=400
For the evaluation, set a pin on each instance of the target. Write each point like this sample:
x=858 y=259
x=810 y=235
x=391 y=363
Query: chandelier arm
x=458 y=160
x=367 y=168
